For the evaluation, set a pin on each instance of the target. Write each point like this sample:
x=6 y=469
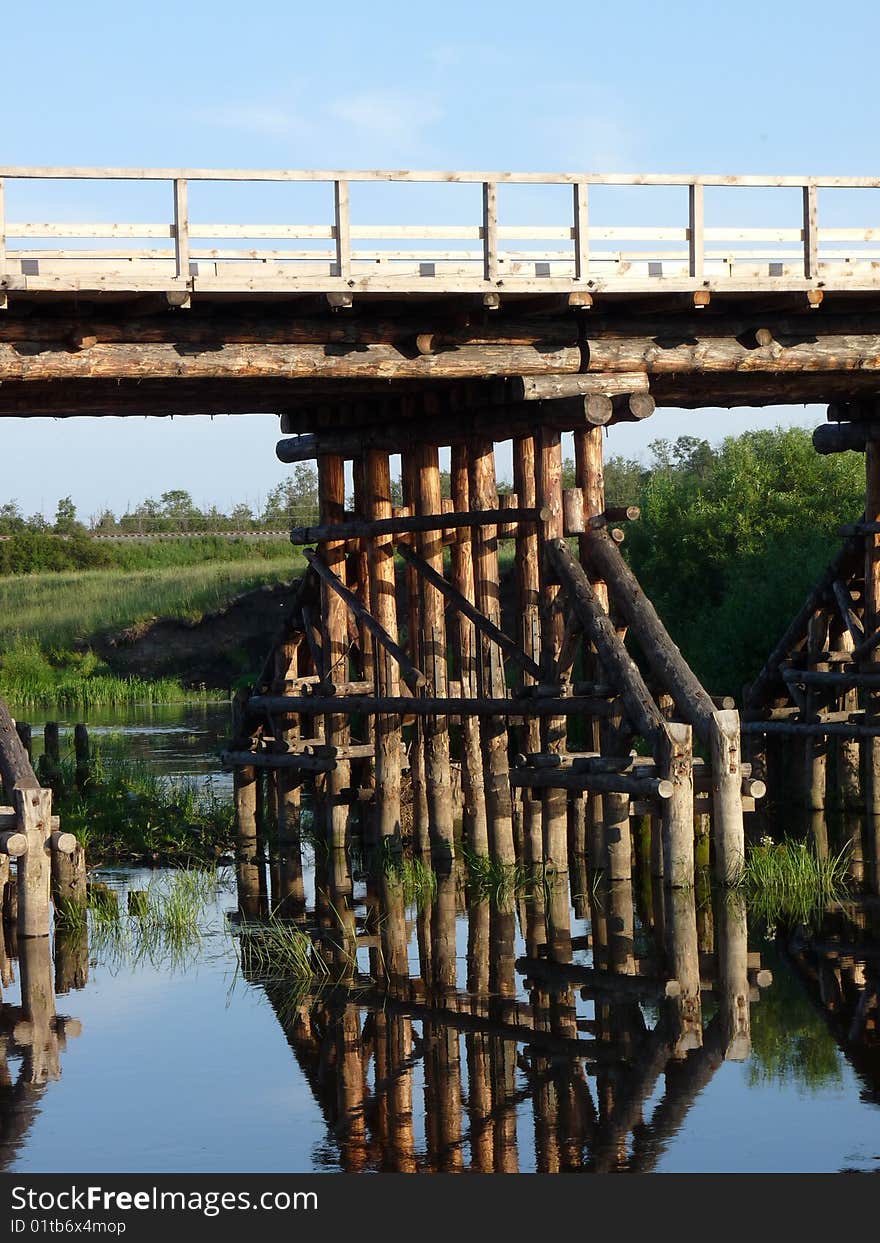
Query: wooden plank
x=3 y=264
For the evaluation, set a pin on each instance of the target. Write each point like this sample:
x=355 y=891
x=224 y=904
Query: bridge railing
x=345 y=252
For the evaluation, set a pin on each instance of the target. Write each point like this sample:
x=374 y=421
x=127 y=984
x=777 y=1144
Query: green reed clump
x=416 y=878
x=164 y=925
x=495 y=881
x=276 y=948
x=788 y=883
x=125 y=811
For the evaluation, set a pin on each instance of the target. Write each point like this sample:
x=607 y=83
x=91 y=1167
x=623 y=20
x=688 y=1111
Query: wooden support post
x=733 y=981
x=684 y=963
x=33 y=808
x=82 y=751
x=51 y=758
x=331 y=501
x=549 y=489
x=473 y=785
x=724 y=751
x=815 y=749
x=377 y=503
x=25 y=733
x=528 y=578
x=871 y=663
x=676 y=764
x=590 y=477
x=618 y=837
x=484 y=493
x=246 y=867
x=433 y=624
x=848 y=750
x=68 y=877
x=414 y=647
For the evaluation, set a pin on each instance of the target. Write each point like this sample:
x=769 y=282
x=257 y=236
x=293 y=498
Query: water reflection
x=571 y=1026
x=33 y=1035
x=433 y=1057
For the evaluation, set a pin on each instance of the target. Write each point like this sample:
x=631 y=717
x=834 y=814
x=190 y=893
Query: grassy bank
x=58 y=611
x=48 y=622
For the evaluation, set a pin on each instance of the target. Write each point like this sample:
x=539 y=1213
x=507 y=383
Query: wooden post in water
x=433 y=623
x=377 y=506
x=484 y=495
x=733 y=981
x=334 y=617
x=83 y=753
x=553 y=730
x=815 y=748
x=871 y=663
x=684 y=964
x=678 y=811
x=51 y=757
x=590 y=478
x=528 y=577
x=421 y=830
x=244 y=783
x=473 y=784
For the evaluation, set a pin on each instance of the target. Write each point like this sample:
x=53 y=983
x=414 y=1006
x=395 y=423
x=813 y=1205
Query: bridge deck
x=480 y=252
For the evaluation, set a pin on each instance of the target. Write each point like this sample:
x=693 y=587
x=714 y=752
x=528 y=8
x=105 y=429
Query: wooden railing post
x=181 y=228
x=581 y=230
x=490 y=231
x=695 y=230
x=3 y=270
x=343 y=230
x=811 y=231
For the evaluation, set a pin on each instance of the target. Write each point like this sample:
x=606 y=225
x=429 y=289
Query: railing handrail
x=61 y=173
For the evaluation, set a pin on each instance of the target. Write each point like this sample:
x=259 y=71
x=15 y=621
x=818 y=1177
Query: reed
x=787 y=883
x=496 y=881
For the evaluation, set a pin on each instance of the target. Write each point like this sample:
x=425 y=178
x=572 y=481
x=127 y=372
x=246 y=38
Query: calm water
x=460 y=1034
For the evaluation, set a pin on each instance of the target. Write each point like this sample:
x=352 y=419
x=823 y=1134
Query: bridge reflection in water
x=427 y=1053
x=569 y=1026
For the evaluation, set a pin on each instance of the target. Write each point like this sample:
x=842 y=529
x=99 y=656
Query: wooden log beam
x=666 y=661
x=568 y=778
x=420 y=705
x=279 y=759
x=413 y=677
x=839 y=437
x=553 y=387
x=359 y=528
x=143 y=360
x=462 y=605
x=619 y=667
x=15 y=767
x=685 y=346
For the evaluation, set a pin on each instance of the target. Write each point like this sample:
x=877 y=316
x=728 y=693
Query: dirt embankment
x=214 y=651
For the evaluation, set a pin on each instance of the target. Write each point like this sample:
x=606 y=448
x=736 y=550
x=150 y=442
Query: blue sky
x=671 y=87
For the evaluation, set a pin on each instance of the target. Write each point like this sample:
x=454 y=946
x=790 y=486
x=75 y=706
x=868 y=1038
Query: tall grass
x=788 y=883
x=59 y=611
x=126 y=811
x=79 y=682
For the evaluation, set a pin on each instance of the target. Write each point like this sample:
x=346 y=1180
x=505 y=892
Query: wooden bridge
x=480 y=331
